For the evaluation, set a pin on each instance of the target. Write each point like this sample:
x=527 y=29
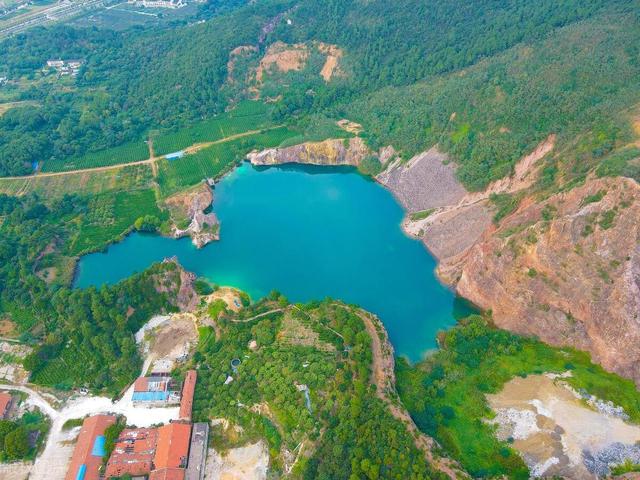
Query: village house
x=155 y=391
x=87 y=455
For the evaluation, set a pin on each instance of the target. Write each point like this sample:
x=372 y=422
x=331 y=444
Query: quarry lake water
x=310 y=233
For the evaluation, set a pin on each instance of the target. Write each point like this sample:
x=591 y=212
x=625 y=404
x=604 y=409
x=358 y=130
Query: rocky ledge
x=567 y=270
x=329 y=152
x=190 y=206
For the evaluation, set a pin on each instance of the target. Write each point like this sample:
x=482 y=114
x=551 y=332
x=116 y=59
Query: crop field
x=245 y=117
x=123 y=15
x=215 y=160
x=63 y=371
x=111 y=216
x=86 y=183
x=129 y=152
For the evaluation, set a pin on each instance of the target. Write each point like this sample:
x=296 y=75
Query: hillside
x=508 y=132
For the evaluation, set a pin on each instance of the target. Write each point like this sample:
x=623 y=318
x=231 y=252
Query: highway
x=55 y=13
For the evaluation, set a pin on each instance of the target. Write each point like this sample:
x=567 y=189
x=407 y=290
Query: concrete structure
x=154 y=390
x=5 y=404
x=161 y=453
x=133 y=453
x=198 y=452
x=87 y=456
x=188 y=391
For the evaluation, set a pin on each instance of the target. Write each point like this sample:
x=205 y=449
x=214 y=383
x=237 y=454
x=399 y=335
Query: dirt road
x=149 y=161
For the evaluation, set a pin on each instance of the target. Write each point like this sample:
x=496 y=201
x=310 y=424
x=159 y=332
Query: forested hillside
x=486 y=80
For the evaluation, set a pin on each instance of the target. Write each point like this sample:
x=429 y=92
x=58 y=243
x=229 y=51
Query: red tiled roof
x=92 y=427
x=167 y=474
x=5 y=402
x=173 y=445
x=133 y=452
x=188 y=390
x=141 y=385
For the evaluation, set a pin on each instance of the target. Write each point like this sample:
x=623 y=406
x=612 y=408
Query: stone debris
x=601 y=462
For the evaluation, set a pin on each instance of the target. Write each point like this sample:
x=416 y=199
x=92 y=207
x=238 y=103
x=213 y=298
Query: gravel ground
x=424 y=182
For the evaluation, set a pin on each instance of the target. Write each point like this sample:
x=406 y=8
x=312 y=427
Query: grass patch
x=214 y=161
x=505 y=205
x=421 y=215
x=621 y=163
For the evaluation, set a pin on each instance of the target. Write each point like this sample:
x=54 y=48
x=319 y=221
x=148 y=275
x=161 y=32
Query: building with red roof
x=5 y=404
x=168 y=474
x=133 y=453
x=188 y=391
x=87 y=456
x=173 y=446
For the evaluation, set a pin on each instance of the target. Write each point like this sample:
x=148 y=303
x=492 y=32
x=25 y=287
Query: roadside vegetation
x=21 y=439
x=446 y=394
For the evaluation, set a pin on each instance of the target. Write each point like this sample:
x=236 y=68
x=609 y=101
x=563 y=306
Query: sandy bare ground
x=424 y=182
x=460 y=218
x=552 y=427
x=229 y=295
x=250 y=462
x=15 y=471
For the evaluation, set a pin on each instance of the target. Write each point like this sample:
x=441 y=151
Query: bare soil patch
x=250 y=462
x=284 y=58
x=553 y=428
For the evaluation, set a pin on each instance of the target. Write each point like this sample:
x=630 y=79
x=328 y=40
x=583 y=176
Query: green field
x=130 y=152
x=111 y=216
x=85 y=183
x=245 y=117
x=215 y=160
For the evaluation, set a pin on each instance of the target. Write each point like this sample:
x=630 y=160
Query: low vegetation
x=446 y=393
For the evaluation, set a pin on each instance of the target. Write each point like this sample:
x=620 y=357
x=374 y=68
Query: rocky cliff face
x=566 y=270
x=190 y=206
x=329 y=152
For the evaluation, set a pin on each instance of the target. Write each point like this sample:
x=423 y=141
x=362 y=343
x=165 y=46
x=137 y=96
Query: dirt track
x=152 y=161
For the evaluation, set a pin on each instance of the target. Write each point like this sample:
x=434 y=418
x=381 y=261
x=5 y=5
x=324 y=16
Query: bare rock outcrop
x=179 y=284
x=566 y=270
x=191 y=205
x=426 y=181
x=329 y=152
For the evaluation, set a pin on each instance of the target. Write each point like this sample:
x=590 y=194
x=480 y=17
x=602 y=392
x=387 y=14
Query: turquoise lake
x=311 y=233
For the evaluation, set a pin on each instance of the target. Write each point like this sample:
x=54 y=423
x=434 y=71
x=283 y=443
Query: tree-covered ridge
x=409 y=66
x=322 y=348
x=399 y=43
x=579 y=81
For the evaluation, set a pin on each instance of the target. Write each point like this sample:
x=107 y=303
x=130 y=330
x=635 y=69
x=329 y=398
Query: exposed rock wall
x=203 y=227
x=566 y=270
x=426 y=181
x=329 y=152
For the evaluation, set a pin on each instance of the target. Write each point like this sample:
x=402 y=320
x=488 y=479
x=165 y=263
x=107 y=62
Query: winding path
x=384 y=378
